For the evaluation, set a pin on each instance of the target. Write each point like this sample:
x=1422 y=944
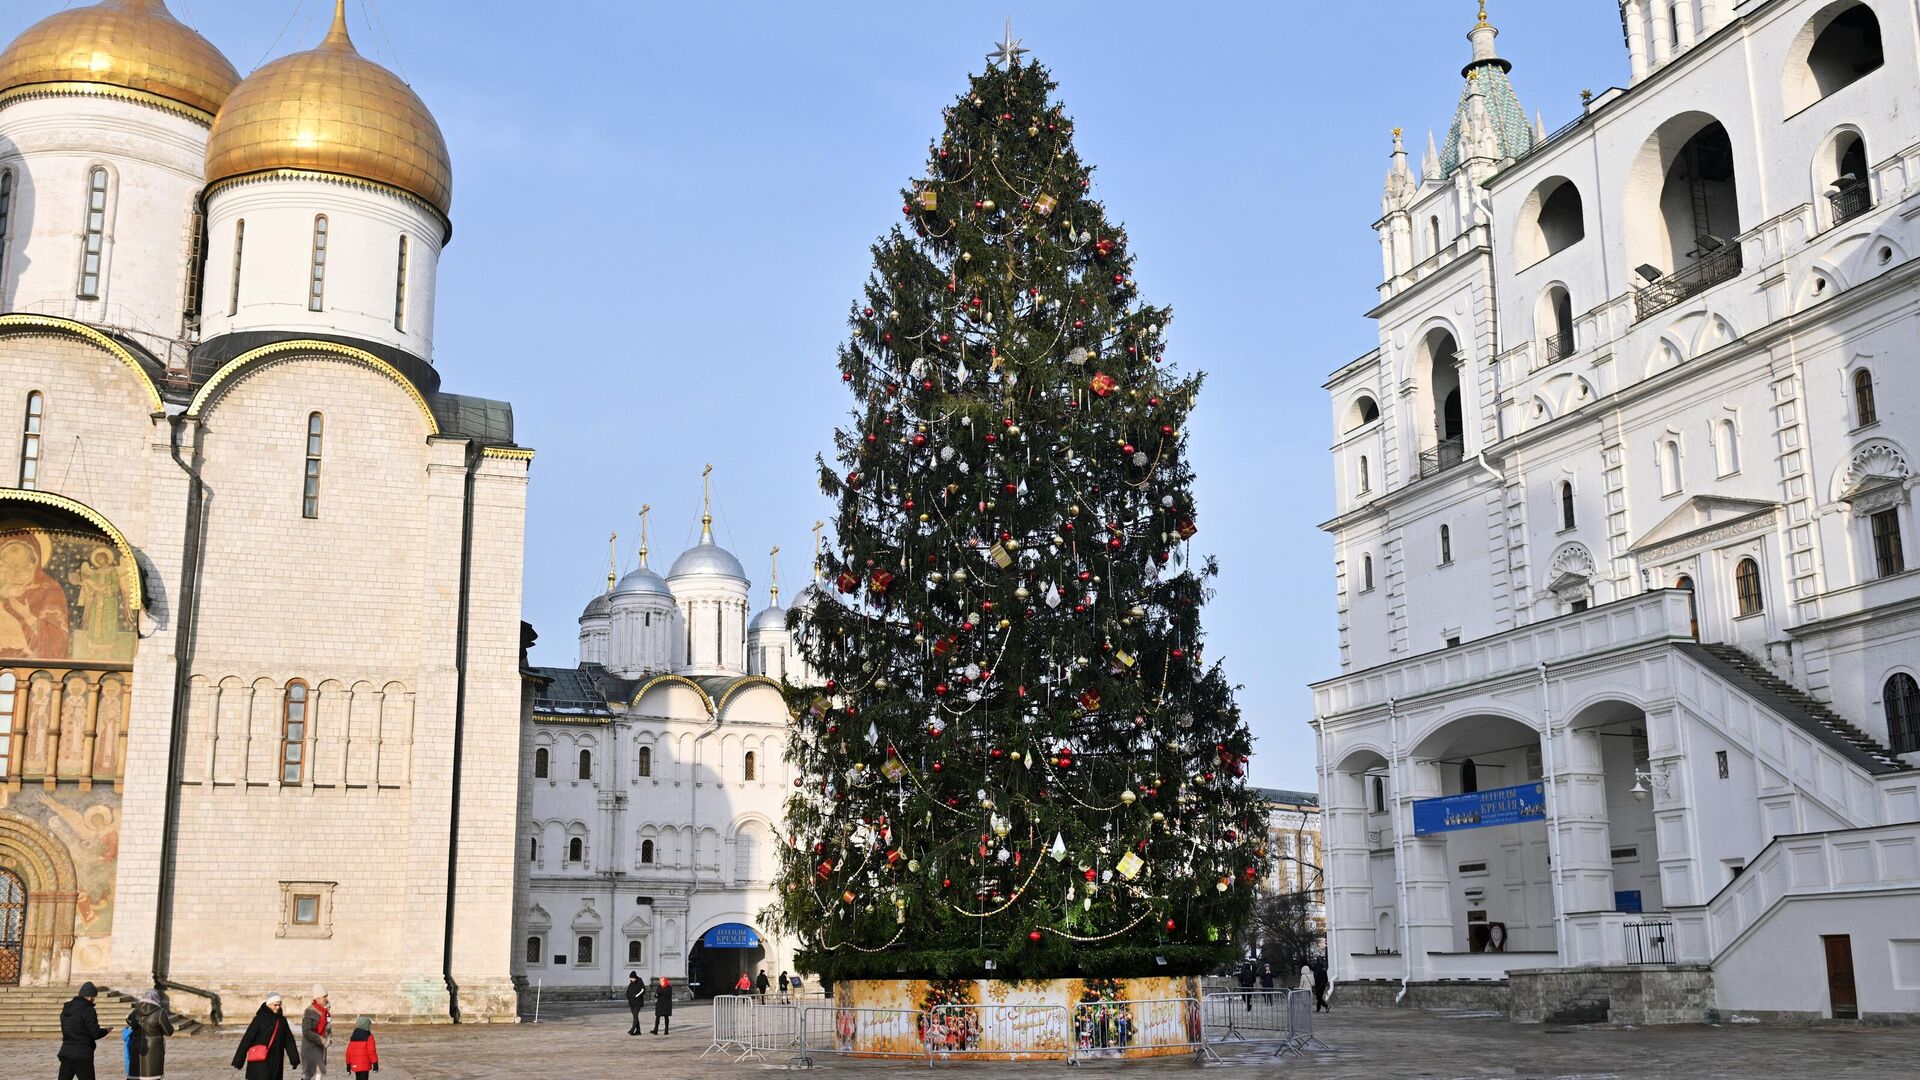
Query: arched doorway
x=13 y=926
x=721 y=955
x=1685 y=585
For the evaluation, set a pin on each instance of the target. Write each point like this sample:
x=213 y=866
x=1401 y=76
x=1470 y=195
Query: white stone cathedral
x=654 y=784
x=259 y=573
x=1627 y=563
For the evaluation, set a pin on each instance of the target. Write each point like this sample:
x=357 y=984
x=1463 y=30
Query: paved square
x=1369 y=1044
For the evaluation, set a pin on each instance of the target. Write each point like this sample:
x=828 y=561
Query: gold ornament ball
x=1021 y=593
x=1128 y=797
x=1014 y=754
x=1005 y=623
x=1158 y=816
x=924 y=519
x=988 y=206
x=1033 y=131
x=1014 y=431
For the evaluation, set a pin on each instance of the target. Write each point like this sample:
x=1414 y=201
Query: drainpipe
x=1553 y=824
x=459 y=725
x=185 y=617
x=1398 y=776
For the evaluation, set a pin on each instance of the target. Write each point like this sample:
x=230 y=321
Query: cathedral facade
x=1627 y=563
x=259 y=572
x=654 y=780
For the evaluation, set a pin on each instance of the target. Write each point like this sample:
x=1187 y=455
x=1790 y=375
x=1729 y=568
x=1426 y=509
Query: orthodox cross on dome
x=817 y=526
x=706 y=504
x=613 y=561
x=1008 y=52
x=774 y=575
x=645 y=509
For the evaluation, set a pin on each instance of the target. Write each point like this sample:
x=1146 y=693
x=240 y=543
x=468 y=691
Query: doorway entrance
x=721 y=956
x=13 y=926
x=1841 y=994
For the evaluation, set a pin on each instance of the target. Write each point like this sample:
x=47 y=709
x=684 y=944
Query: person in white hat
x=267 y=1047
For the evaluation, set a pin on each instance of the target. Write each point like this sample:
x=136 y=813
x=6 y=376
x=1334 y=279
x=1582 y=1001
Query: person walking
x=316 y=1034
x=663 y=1007
x=1306 y=978
x=1320 y=984
x=79 y=1030
x=267 y=1046
x=1266 y=976
x=744 y=984
x=363 y=1056
x=761 y=983
x=1245 y=975
x=636 y=998
x=148 y=1029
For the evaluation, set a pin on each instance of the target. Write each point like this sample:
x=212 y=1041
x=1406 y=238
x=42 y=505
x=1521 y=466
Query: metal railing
x=1556 y=347
x=1445 y=456
x=1650 y=942
x=1697 y=277
x=1850 y=202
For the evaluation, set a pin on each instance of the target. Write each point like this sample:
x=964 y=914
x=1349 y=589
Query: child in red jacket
x=363 y=1056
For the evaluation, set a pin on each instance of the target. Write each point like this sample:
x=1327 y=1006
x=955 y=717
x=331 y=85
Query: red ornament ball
x=1033 y=935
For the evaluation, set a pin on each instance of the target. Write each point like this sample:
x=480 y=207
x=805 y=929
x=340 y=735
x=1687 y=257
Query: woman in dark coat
x=150 y=1031
x=268 y=1030
x=663 y=1007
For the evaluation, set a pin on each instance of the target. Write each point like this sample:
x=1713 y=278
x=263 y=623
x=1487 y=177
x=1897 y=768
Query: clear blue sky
x=662 y=211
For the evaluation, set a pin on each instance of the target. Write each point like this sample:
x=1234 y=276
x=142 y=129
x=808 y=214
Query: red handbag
x=258 y=1052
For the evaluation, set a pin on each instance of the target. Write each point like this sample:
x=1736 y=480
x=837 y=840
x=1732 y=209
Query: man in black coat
x=636 y=999
x=79 y=1030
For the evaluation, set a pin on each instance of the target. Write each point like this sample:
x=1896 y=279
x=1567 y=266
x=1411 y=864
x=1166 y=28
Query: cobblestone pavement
x=1369 y=1044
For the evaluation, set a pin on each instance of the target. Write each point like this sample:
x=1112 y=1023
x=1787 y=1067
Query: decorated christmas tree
x=1018 y=764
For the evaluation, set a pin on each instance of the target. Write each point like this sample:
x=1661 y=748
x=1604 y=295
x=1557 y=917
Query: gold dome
x=331 y=110
x=126 y=45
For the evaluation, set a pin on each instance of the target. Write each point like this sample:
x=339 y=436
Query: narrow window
x=1746 y=582
x=1469 y=776
x=293 y=732
x=30 y=441
x=1902 y=700
x=1379 y=794
x=1889 y=556
x=1863 y=406
x=636 y=953
x=93 y=248
x=533 y=849
x=1726 y=445
x=646 y=761
x=533 y=950
x=646 y=851
x=1670 y=466
x=1446 y=544
x=6 y=212
x=1577 y=605
x=746 y=768
x=540 y=763
x=1366 y=572
x=239 y=250
x=8 y=684
x=1366 y=481
x=317 y=285
x=586 y=764
x=400 y=290
x=1566 y=504
x=576 y=850
x=1433 y=228
x=583 y=951
x=310 y=490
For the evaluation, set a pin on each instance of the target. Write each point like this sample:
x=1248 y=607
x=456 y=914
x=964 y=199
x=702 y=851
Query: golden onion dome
x=133 y=46
x=331 y=110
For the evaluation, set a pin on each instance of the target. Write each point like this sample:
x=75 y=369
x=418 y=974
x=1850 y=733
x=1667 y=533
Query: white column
x=1427 y=914
x=1683 y=23
x=1345 y=855
x=1586 y=857
x=1662 y=32
x=1636 y=20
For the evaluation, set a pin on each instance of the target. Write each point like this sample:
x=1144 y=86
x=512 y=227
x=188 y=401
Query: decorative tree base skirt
x=1003 y=1021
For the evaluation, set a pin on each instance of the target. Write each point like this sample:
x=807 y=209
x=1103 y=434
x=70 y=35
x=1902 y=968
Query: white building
x=1626 y=509
x=259 y=677
x=654 y=781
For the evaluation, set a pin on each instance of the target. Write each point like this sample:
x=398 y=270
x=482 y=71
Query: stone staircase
x=1590 y=1006
x=1802 y=709
x=35 y=1011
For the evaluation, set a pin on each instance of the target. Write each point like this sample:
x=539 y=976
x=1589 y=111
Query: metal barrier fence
x=730 y=1023
x=1247 y=1016
x=1113 y=1028
x=1300 y=1036
x=1014 y=1030
x=827 y=1030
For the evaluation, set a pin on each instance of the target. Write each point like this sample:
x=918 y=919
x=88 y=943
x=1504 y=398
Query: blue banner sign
x=1479 y=809
x=731 y=935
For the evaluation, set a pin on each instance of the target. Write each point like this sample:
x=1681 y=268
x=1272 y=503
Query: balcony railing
x=1442 y=457
x=1850 y=202
x=1687 y=281
x=1556 y=347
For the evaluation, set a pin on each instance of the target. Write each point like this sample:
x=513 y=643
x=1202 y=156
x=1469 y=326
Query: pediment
x=1704 y=518
x=637 y=927
x=538 y=919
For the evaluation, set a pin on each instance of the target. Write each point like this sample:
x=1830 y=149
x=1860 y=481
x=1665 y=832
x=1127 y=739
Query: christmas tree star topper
x=1008 y=52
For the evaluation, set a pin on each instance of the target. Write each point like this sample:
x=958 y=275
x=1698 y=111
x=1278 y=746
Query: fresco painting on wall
x=62 y=596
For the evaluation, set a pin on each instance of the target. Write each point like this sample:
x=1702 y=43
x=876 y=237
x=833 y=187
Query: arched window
x=1555 y=319
x=239 y=250
x=576 y=850
x=646 y=761
x=636 y=951
x=1366 y=481
x=317 y=279
x=293 y=732
x=746 y=855
x=1566 y=504
x=1670 y=467
x=534 y=952
x=540 y=763
x=30 y=441
x=1685 y=585
x=1746 y=583
x=1366 y=572
x=1365 y=411
x=1726 y=446
x=1446 y=544
x=1850 y=191
x=1864 y=410
x=646 y=851
x=8 y=684
x=310 y=485
x=1433 y=235
x=6 y=213
x=1831 y=51
x=583 y=950
x=1684 y=213
x=400 y=290
x=1562 y=221
x=586 y=764
x=94 y=243
x=1469 y=776
x=1902 y=699
x=746 y=767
